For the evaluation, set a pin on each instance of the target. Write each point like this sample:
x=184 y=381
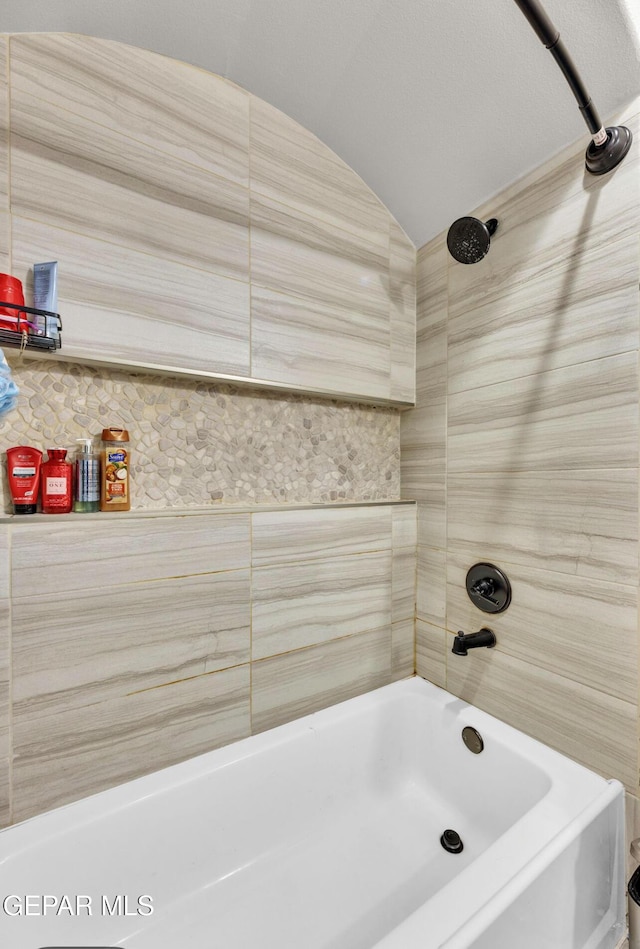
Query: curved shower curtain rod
x=608 y=146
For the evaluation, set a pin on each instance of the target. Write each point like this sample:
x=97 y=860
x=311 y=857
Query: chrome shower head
x=468 y=239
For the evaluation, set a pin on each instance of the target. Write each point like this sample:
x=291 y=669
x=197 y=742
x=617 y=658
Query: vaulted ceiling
x=436 y=104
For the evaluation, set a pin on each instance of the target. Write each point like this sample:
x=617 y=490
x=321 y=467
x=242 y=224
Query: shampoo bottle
x=87 y=478
x=57 y=482
x=115 y=458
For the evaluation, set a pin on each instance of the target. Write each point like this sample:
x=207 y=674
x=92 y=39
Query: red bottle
x=57 y=482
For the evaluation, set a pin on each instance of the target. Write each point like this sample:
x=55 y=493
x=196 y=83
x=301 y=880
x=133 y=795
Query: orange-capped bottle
x=115 y=462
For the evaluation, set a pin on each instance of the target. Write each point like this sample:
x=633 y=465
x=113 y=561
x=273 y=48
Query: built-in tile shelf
x=193 y=512
x=247 y=382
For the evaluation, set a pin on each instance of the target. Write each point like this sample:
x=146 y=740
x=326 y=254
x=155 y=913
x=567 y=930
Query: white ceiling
x=436 y=104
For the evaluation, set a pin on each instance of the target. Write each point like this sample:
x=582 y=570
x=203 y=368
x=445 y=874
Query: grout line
x=543 y=372
x=10 y=672
x=326 y=642
x=9 y=152
x=446 y=446
x=250 y=232
x=251 y=732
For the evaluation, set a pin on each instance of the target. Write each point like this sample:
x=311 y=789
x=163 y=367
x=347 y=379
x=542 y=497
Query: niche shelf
x=33 y=338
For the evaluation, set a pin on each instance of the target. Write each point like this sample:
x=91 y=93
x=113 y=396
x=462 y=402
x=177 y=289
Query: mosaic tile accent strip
x=196 y=444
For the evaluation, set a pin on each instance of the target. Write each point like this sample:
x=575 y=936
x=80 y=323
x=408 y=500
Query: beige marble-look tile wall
x=130 y=643
x=197 y=227
x=523 y=451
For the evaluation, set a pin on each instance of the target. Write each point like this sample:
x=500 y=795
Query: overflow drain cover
x=451 y=842
x=472 y=739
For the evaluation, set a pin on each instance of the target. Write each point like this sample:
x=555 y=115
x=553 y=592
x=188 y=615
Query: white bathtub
x=325 y=834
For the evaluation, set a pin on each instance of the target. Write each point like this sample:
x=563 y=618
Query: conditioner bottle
x=87 y=478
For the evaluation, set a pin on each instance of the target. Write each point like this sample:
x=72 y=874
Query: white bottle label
x=56 y=485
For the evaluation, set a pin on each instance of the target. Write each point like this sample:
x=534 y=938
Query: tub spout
x=463 y=642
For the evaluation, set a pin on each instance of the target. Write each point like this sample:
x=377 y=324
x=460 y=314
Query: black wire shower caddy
x=24 y=339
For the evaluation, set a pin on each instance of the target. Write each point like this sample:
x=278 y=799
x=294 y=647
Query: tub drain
x=451 y=842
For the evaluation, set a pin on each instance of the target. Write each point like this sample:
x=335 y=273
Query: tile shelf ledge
x=197 y=375
x=227 y=509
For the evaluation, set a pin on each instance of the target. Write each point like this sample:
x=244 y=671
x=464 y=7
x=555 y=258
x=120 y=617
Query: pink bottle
x=57 y=482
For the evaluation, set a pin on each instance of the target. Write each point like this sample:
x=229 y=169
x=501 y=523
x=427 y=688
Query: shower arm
x=609 y=146
x=550 y=37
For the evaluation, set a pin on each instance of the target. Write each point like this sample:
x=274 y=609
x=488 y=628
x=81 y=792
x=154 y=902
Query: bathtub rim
x=596 y=793
x=183 y=772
